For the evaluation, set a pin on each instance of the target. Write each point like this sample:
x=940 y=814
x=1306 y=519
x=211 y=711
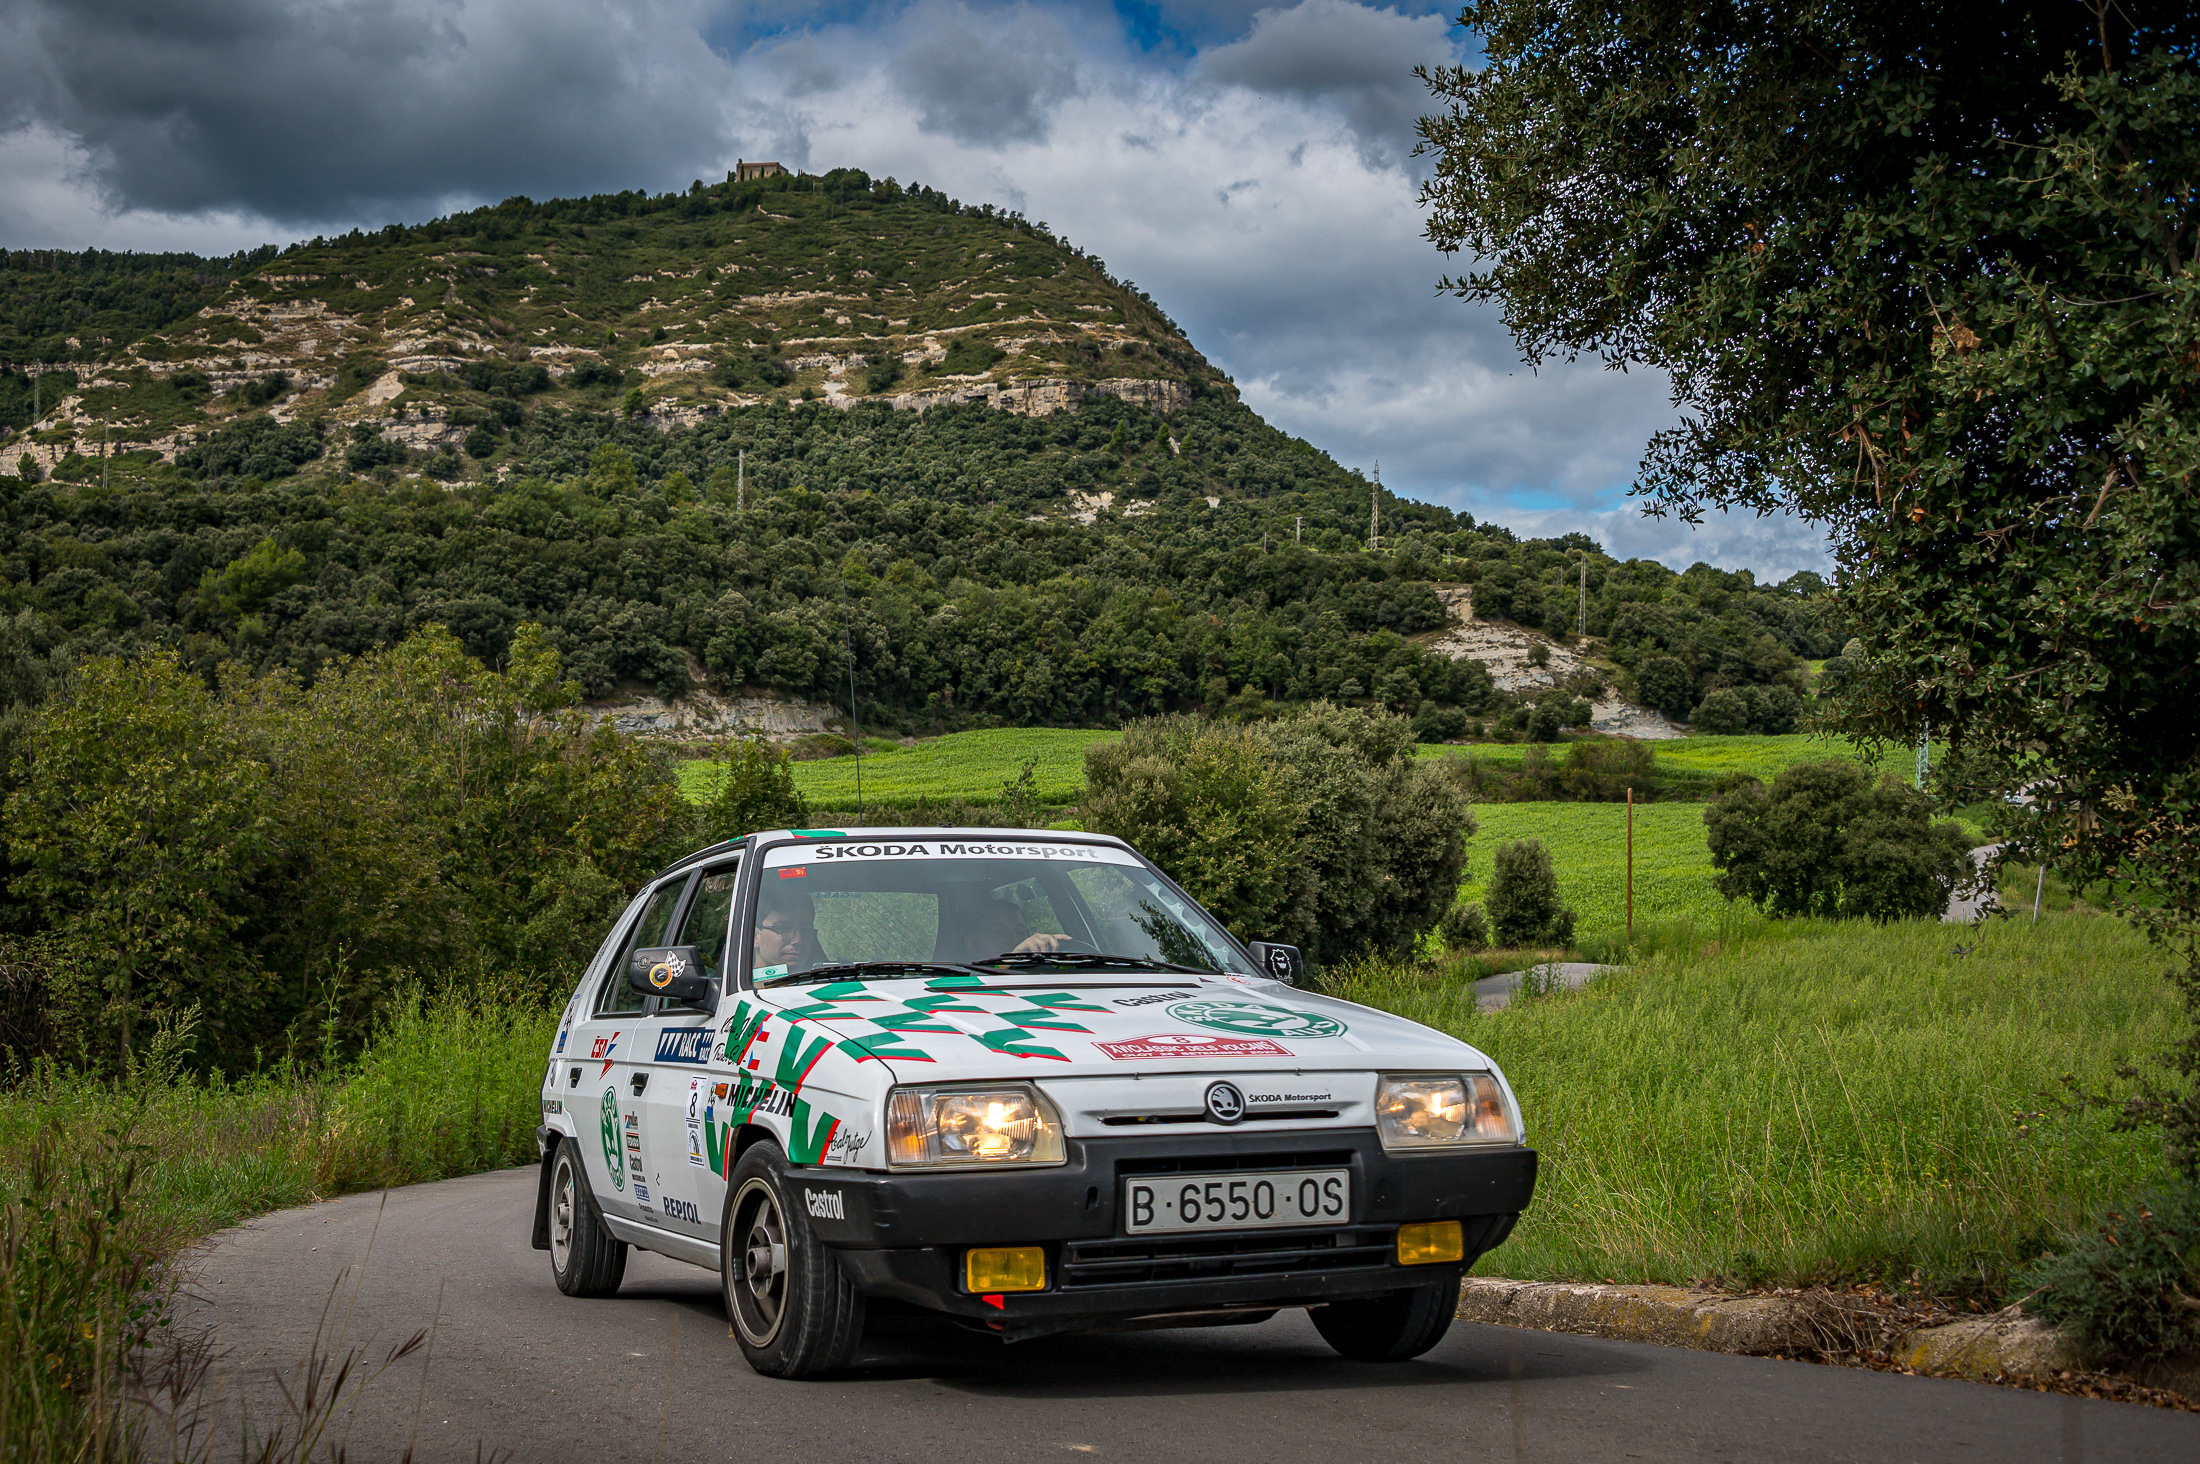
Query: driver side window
x=620 y=995
x=708 y=914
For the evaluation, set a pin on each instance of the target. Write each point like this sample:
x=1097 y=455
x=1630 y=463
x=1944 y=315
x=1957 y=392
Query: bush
x=597 y=373
x=1827 y=840
x=1734 y=710
x=1524 y=908
x=1463 y=928
x=481 y=443
x=370 y=449
x=752 y=788
x=1320 y=829
x=1665 y=684
x=2126 y=1291
x=968 y=356
x=259 y=448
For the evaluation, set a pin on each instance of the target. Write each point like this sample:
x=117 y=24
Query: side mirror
x=1279 y=962
x=672 y=972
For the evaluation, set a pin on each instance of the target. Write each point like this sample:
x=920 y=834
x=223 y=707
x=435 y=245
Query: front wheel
x=585 y=1257
x=793 y=1308
x=1389 y=1328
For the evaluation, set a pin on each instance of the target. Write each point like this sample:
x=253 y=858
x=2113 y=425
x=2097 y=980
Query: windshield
x=961 y=902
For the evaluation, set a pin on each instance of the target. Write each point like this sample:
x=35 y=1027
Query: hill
x=710 y=439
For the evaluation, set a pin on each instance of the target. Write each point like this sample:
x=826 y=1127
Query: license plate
x=1238 y=1201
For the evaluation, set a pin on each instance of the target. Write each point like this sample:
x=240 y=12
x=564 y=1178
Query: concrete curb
x=2005 y=1345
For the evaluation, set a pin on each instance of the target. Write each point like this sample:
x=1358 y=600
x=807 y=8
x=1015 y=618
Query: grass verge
x=1818 y=1102
x=101 y=1184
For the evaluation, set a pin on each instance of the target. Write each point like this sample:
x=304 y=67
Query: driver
x=786 y=934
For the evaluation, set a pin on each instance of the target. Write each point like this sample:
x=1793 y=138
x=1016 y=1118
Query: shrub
x=1827 y=840
x=259 y=448
x=1320 y=829
x=968 y=356
x=370 y=449
x=597 y=373
x=1665 y=684
x=752 y=788
x=1734 y=710
x=481 y=443
x=1464 y=928
x=1524 y=908
x=2126 y=1290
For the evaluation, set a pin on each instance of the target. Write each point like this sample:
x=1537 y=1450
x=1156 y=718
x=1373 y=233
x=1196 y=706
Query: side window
x=704 y=926
x=651 y=930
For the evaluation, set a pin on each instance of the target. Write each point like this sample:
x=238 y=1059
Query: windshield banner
x=838 y=851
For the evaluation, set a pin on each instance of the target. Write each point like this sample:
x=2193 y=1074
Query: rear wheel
x=1389 y=1328
x=586 y=1258
x=793 y=1308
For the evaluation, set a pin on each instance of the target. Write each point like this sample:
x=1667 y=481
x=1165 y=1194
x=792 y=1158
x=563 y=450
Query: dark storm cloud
x=1356 y=57
x=306 y=112
x=984 y=76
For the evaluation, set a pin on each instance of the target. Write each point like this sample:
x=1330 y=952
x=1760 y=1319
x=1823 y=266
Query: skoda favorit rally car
x=1019 y=1078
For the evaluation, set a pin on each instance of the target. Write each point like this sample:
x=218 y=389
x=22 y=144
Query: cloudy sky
x=1249 y=166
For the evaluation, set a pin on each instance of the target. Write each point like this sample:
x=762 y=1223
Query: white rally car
x=1018 y=1078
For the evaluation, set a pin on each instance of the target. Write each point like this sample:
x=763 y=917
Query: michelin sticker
x=1256 y=1019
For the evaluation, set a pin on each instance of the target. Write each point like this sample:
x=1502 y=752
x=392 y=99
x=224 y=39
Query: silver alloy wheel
x=760 y=1290
x=561 y=1215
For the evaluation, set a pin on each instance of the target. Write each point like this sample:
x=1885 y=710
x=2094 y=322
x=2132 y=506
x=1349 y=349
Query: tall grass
x=1818 y=1101
x=100 y=1184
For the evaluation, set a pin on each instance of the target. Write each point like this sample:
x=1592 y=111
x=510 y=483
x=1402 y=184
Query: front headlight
x=971 y=1128
x=1422 y=1110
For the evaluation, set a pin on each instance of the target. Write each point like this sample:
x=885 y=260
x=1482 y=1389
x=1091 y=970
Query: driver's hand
x=1043 y=943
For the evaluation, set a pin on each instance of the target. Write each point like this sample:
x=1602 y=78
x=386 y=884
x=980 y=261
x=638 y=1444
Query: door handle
x=573 y=1080
x=641 y=1081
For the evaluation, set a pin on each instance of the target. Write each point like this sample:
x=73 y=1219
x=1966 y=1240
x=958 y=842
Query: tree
x=752 y=788
x=1828 y=840
x=1924 y=274
x=1321 y=829
x=1524 y=908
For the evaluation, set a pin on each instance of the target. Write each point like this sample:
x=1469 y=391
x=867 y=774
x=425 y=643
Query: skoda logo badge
x=1225 y=1104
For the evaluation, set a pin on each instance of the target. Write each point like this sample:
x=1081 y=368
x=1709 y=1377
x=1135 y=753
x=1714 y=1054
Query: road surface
x=651 y=1374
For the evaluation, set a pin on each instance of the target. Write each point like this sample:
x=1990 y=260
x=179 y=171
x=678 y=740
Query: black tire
x=586 y=1258
x=794 y=1310
x=1389 y=1328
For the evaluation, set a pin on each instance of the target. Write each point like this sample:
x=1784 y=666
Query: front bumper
x=902 y=1236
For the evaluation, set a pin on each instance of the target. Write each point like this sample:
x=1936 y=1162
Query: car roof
x=904 y=833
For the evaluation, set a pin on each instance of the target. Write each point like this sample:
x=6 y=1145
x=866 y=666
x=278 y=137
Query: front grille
x=1087 y=1264
x=1225 y=1163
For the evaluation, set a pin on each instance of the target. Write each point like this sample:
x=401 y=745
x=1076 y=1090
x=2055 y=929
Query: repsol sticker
x=825 y=1204
x=795 y=855
x=681 y=1210
x=684 y=1044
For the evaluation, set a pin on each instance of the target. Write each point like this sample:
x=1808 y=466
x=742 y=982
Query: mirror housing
x=1278 y=962
x=672 y=972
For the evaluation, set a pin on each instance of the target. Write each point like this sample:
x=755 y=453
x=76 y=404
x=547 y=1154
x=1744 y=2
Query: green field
x=1696 y=761
x=969 y=766
x=1588 y=844
x=972 y=766
x=1814 y=1101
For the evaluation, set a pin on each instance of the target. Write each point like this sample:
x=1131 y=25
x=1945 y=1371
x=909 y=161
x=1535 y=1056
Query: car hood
x=942 y=1028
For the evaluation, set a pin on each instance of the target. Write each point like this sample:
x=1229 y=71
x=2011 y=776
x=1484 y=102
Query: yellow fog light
x=1024 y=1267
x=1428 y=1242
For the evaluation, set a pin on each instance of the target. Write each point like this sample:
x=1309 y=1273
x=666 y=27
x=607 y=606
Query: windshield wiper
x=1085 y=958
x=842 y=970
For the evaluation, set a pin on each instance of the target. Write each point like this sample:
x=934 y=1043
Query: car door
x=678 y=1095
x=604 y=1048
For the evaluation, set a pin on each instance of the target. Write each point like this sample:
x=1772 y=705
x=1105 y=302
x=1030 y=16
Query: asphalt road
x=522 y=1371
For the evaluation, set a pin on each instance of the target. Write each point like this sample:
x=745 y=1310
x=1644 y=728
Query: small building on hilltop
x=744 y=171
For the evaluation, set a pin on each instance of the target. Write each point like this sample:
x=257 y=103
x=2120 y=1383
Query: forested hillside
x=713 y=438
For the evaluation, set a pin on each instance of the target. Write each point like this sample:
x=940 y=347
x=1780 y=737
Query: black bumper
x=902 y=1236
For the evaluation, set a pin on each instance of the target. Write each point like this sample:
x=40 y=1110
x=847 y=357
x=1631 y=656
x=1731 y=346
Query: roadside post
x=1630 y=865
